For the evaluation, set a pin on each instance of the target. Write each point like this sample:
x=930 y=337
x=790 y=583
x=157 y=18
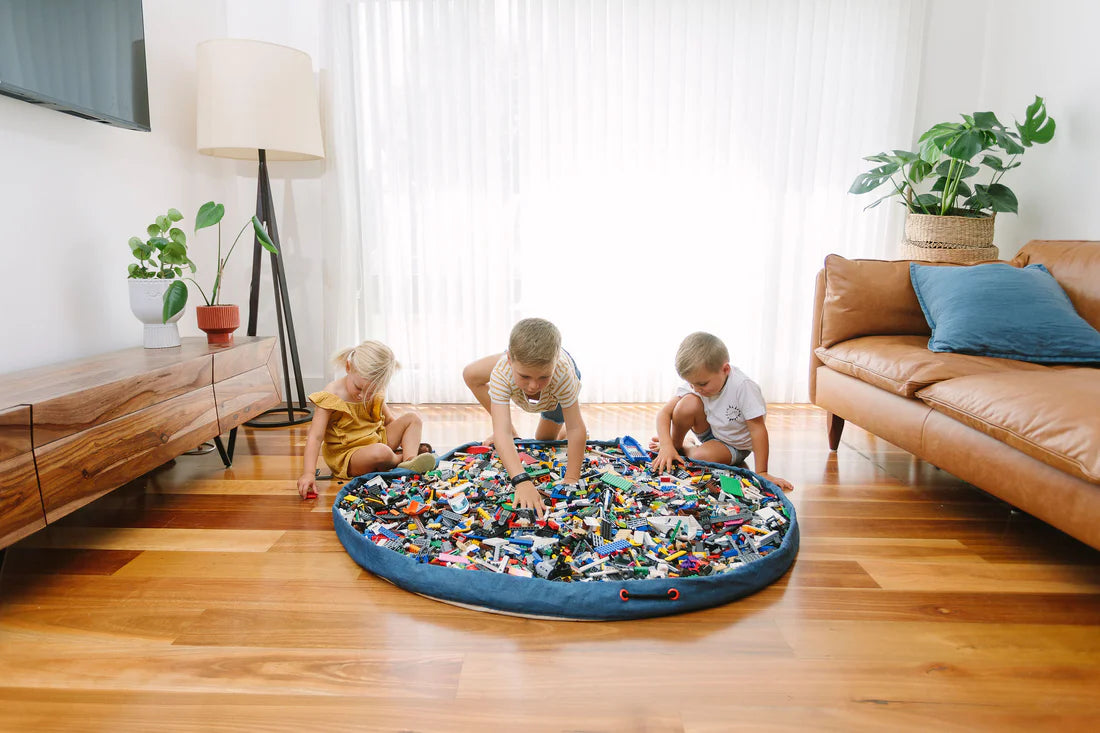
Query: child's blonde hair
x=534 y=342
x=371 y=360
x=701 y=349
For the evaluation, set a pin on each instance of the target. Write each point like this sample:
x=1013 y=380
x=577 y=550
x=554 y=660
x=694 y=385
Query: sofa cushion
x=1076 y=267
x=1004 y=311
x=1050 y=415
x=868 y=297
x=903 y=364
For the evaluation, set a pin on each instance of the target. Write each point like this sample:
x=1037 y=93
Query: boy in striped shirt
x=539 y=376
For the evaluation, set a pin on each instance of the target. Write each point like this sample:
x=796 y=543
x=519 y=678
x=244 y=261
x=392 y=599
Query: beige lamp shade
x=253 y=95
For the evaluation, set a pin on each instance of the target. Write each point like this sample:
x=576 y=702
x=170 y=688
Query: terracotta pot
x=219 y=322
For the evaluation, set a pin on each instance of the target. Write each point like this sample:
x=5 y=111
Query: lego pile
x=622 y=521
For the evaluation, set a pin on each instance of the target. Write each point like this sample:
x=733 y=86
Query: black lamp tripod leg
x=265 y=212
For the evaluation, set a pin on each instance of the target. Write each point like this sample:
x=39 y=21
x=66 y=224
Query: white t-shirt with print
x=727 y=412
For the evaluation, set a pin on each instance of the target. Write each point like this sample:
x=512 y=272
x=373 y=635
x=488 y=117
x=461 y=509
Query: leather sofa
x=1027 y=433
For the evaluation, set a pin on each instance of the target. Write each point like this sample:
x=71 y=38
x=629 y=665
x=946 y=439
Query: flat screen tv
x=81 y=57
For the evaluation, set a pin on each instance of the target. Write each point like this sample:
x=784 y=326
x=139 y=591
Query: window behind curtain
x=633 y=171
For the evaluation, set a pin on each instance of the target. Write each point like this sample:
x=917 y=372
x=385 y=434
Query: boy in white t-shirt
x=724 y=408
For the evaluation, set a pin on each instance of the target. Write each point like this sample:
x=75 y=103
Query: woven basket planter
x=948 y=238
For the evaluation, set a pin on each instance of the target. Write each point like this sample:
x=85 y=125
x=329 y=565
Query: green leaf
x=178 y=236
x=159 y=242
x=993 y=162
x=931 y=151
x=163 y=224
x=135 y=270
x=135 y=244
x=986 y=121
x=175 y=298
x=175 y=215
x=152 y=230
x=866 y=182
x=942 y=130
x=927 y=200
x=261 y=234
x=209 y=214
x=898 y=157
x=1009 y=142
x=1034 y=108
x=174 y=254
x=1041 y=135
x=919 y=171
x=1001 y=198
x=962 y=170
x=965 y=146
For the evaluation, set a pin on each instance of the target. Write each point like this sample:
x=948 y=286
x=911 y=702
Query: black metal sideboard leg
x=226 y=454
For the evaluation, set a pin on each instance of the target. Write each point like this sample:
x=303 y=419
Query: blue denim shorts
x=737 y=456
x=556 y=414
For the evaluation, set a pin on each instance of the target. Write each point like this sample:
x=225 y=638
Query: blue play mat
x=625 y=544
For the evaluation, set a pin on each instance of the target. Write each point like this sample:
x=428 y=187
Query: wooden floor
x=201 y=598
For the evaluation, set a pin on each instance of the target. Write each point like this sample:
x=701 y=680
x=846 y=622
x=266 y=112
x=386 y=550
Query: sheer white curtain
x=631 y=170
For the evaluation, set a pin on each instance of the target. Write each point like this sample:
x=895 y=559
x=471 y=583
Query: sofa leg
x=836 y=427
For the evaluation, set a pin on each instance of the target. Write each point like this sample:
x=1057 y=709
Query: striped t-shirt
x=562 y=389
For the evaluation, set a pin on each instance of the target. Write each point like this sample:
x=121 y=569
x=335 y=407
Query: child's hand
x=527 y=497
x=780 y=482
x=307 y=486
x=666 y=459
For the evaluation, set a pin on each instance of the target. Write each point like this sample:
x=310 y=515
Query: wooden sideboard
x=70 y=433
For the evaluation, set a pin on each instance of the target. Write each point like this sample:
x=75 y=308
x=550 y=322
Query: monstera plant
x=958 y=165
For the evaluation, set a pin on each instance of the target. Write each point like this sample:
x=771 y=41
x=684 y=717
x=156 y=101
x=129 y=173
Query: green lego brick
x=730 y=485
x=617 y=481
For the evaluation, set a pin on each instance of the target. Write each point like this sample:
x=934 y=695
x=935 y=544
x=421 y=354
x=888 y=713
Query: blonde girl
x=354 y=429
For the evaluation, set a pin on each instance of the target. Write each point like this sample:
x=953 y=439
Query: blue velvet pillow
x=1000 y=310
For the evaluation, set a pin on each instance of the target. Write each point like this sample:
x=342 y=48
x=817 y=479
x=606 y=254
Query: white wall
x=72 y=192
x=997 y=55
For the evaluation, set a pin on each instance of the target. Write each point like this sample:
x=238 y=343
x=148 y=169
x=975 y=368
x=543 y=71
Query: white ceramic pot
x=147 y=303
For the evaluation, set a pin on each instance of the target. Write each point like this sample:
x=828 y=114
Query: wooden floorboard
x=206 y=598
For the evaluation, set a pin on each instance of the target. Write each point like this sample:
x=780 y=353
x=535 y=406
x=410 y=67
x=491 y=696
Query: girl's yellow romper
x=351 y=426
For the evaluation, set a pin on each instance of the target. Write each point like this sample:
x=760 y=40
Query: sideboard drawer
x=245 y=396
x=75 y=470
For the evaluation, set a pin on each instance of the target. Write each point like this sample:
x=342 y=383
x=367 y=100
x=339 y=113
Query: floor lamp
x=258 y=101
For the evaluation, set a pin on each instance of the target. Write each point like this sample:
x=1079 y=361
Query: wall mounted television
x=81 y=57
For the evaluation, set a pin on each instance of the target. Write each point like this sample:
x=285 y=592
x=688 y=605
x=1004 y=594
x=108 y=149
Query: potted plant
x=950 y=213
x=217 y=320
x=157 y=294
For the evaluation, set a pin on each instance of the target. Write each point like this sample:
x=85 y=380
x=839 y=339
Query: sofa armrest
x=815 y=332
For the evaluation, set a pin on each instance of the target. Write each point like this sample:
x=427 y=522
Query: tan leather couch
x=1027 y=433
